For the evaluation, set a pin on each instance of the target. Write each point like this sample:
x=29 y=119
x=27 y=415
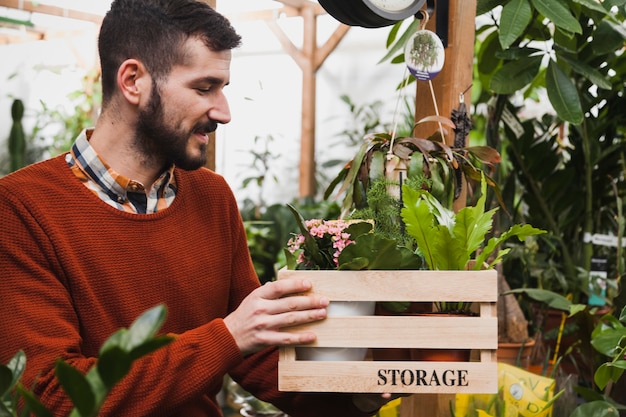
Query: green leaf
x=484 y=6
x=6 y=380
x=146 y=326
x=77 y=388
x=377 y=165
x=471 y=228
x=371 y=251
x=116 y=340
x=488 y=59
x=563 y=94
x=17 y=365
x=33 y=404
x=419 y=223
x=622 y=315
x=516 y=15
x=515 y=75
x=150 y=346
x=587 y=71
x=592 y=5
x=517 y=230
x=550 y=298
x=595 y=409
x=607 y=342
x=559 y=13
x=399 y=45
x=309 y=242
x=113 y=365
x=608 y=38
x=4 y=411
x=393 y=33
x=358 y=228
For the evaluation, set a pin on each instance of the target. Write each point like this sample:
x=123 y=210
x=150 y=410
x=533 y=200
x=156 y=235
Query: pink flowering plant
x=344 y=245
x=330 y=236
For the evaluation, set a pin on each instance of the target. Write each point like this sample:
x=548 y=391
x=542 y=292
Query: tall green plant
x=17 y=139
x=567 y=164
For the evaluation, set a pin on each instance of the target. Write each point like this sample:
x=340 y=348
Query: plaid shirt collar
x=115 y=189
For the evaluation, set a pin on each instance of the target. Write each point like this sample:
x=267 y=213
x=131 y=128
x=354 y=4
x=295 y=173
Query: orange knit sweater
x=74 y=270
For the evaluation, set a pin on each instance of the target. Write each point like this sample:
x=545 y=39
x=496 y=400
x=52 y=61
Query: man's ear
x=133 y=80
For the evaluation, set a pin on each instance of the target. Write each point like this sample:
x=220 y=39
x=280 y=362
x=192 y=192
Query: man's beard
x=166 y=144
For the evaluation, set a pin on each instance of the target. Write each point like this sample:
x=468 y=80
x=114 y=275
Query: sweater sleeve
x=38 y=317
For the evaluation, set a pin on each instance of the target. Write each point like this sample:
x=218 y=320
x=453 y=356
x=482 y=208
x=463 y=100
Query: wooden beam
x=309 y=58
x=210 y=151
x=35 y=7
x=456 y=75
x=20 y=36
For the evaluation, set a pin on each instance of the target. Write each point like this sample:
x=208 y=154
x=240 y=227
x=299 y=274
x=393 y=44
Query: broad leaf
x=587 y=71
x=399 y=45
x=33 y=403
x=77 y=388
x=146 y=326
x=550 y=298
x=6 y=380
x=559 y=13
x=517 y=230
x=563 y=94
x=484 y=6
x=516 y=15
x=606 y=342
x=371 y=251
x=595 y=409
x=419 y=222
x=622 y=315
x=113 y=365
x=309 y=241
x=608 y=38
x=592 y=5
x=11 y=373
x=515 y=75
x=150 y=346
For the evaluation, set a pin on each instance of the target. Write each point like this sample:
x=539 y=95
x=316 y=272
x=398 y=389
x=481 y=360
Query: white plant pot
x=339 y=309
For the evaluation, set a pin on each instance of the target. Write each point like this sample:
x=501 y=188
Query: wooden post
x=309 y=90
x=210 y=150
x=310 y=58
x=455 y=77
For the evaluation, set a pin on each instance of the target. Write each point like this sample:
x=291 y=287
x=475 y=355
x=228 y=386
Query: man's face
x=173 y=126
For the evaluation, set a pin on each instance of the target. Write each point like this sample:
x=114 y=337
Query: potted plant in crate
x=456 y=241
x=445 y=240
x=319 y=246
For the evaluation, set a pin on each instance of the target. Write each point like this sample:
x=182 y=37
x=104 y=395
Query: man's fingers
x=278 y=289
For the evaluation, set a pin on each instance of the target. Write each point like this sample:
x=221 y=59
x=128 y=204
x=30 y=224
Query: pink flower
x=330 y=238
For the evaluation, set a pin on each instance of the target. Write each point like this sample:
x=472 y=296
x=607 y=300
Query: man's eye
x=203 y=90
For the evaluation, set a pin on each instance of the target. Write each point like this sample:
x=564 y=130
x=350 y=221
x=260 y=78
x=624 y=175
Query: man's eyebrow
x=211 y=80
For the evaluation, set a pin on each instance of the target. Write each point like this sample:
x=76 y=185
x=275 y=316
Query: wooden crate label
x=392 y=377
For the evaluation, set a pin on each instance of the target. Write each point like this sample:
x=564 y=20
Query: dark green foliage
x=17 y=139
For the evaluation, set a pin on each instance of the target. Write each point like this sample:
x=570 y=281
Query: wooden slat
x=478 y=334
x=405 y=332
x=418 y=286
x=365 y=377
x=35 y=7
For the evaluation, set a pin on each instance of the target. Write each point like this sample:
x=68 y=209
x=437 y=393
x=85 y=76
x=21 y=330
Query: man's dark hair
x=154 y=31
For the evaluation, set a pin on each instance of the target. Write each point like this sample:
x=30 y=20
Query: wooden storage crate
x=479 y=333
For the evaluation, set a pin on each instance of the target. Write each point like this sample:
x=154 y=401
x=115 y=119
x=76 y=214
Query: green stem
x=588 y=196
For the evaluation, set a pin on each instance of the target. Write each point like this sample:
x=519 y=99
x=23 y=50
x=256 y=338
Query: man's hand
x=257 y=322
